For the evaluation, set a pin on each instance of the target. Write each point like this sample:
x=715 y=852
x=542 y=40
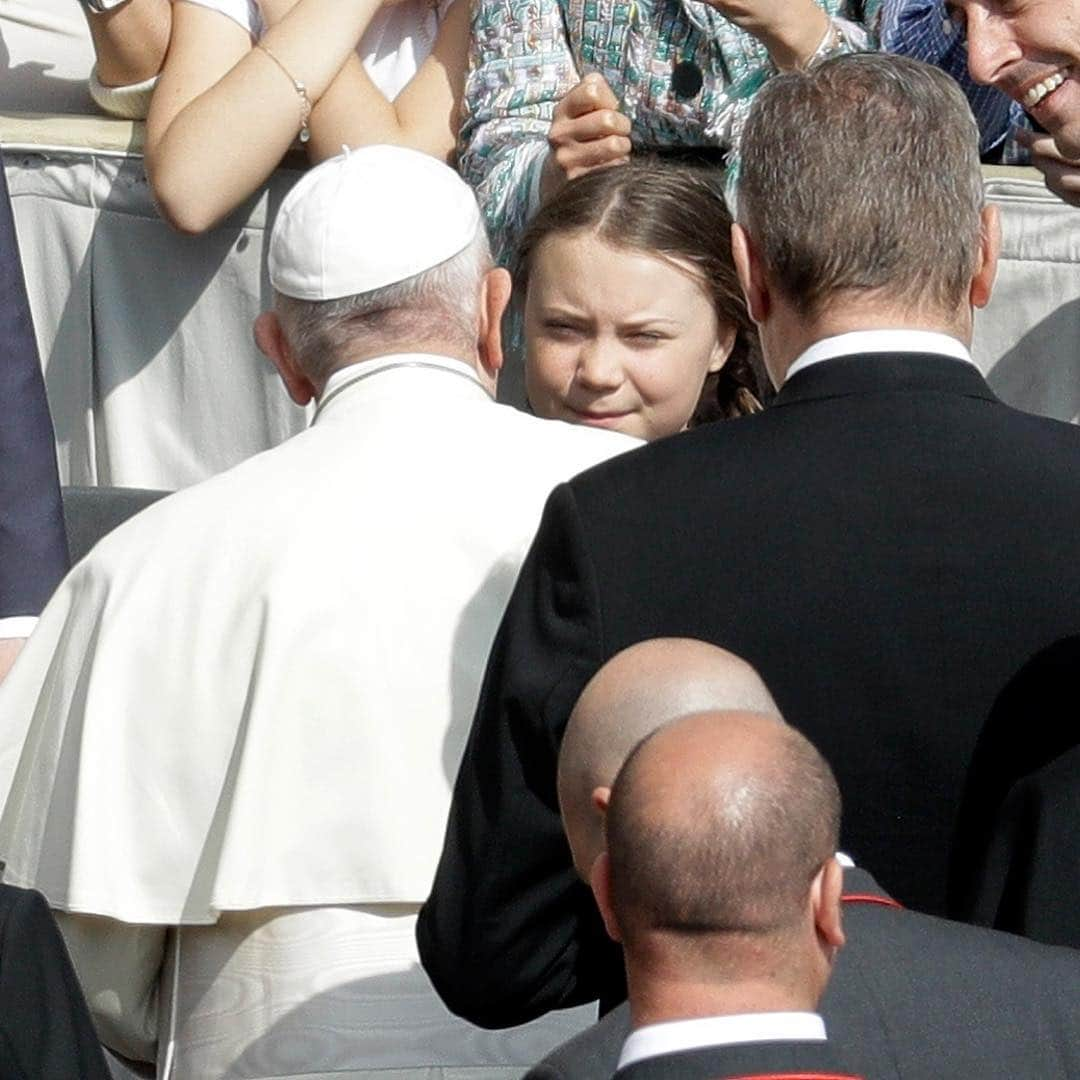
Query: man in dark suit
x=886 y=544
x=45 y=1029
x=33 y=549
x=911 y=995
x=1009 y=1004
x=723 y=888
x=914 y=997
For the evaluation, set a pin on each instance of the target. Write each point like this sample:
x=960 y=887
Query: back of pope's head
x=377 y=251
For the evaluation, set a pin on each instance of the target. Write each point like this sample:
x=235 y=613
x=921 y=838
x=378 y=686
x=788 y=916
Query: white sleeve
x=118 y=966
x=17 y=626
x=244 y=13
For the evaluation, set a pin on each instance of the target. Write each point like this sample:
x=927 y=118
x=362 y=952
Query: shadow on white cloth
x=320 y=992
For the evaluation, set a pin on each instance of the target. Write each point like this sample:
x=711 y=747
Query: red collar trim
x=870 y=898
x=798 y=1076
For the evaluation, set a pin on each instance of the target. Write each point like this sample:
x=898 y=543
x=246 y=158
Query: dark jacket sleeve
x=509 y=931
x=33 y=548
x=1029 y=881
x=45 y=1028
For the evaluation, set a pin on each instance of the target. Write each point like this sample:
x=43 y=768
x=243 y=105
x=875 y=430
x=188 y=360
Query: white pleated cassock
x=254 y=696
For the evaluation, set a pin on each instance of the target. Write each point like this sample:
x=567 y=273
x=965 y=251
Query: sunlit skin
x=1022 y=45
x=618 y=338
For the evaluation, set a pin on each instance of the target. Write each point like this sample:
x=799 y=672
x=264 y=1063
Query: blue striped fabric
x=923 y=29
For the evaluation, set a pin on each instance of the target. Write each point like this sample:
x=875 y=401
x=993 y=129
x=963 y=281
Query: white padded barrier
x=145 y=335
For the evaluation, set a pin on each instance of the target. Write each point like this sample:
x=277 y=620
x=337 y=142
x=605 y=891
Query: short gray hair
x=863 y=174
x=439 y=306
x=737 y=856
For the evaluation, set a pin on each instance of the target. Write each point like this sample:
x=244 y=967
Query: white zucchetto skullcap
x=366 y=219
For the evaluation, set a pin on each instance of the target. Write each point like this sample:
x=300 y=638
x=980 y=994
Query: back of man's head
x=637 y=691
x=719 y=822
x=381 y=250
x=861 y=176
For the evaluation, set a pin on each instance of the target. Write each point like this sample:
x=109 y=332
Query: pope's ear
x=494 y=300
x=274 y=345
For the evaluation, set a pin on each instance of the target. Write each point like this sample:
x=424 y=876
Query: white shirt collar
x=366 y=368
x=880 y=341
x=678 y=1035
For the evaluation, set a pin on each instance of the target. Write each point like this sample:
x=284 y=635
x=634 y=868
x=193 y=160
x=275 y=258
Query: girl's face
x=618 y=338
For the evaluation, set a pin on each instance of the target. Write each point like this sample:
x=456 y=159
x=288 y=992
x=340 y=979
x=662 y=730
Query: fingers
x=1061 y=174
x=594 y=125
x=588 y=131
x=591 y=94
x=1062 y=177
x=1040 y=145
x=583 y=157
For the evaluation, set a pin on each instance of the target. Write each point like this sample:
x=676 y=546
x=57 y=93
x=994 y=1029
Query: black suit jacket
x=33 y=548
x=915 y=997
x=1016 y=858
x=887 y=544
x=45 y=1029
x=1029 y=879
x=747 y=1061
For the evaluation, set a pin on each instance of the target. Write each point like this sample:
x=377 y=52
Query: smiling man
x=1030 y=49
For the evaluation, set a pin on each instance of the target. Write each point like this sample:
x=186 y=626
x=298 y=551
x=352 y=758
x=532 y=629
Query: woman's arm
x=791 y=30
x=796 y=32
x=224 y=113
x=424 y=116
x=130 y=40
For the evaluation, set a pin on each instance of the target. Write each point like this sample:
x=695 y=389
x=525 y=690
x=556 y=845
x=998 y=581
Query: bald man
x=625 y=701
x=642 y=686
x=912 y=996
x=720 y=879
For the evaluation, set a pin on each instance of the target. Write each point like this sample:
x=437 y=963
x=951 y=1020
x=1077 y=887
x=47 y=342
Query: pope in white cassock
x=227 y=751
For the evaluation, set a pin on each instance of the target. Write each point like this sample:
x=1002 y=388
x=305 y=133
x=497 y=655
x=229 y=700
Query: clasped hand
x=587 y=132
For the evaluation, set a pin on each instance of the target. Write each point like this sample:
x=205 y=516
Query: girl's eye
x=561 y=329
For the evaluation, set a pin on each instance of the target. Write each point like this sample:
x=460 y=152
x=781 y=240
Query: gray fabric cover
x=91 y=512
x=145 y=335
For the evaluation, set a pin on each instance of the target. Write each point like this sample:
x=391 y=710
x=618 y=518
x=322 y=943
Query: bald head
x=637 y=691
x=719 y=823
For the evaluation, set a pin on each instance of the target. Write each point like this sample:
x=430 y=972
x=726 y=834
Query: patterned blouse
x=526 y=54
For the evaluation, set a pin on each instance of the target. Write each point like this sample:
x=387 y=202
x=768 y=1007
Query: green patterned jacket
x=526 y=54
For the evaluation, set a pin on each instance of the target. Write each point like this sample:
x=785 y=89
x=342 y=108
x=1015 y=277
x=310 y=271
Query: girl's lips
x=600 y=419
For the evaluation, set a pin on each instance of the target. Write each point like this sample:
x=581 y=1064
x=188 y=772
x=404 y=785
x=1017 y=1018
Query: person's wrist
x=797 y=42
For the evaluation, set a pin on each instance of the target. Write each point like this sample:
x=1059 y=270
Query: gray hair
x=863 y=174
x=438 y=307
